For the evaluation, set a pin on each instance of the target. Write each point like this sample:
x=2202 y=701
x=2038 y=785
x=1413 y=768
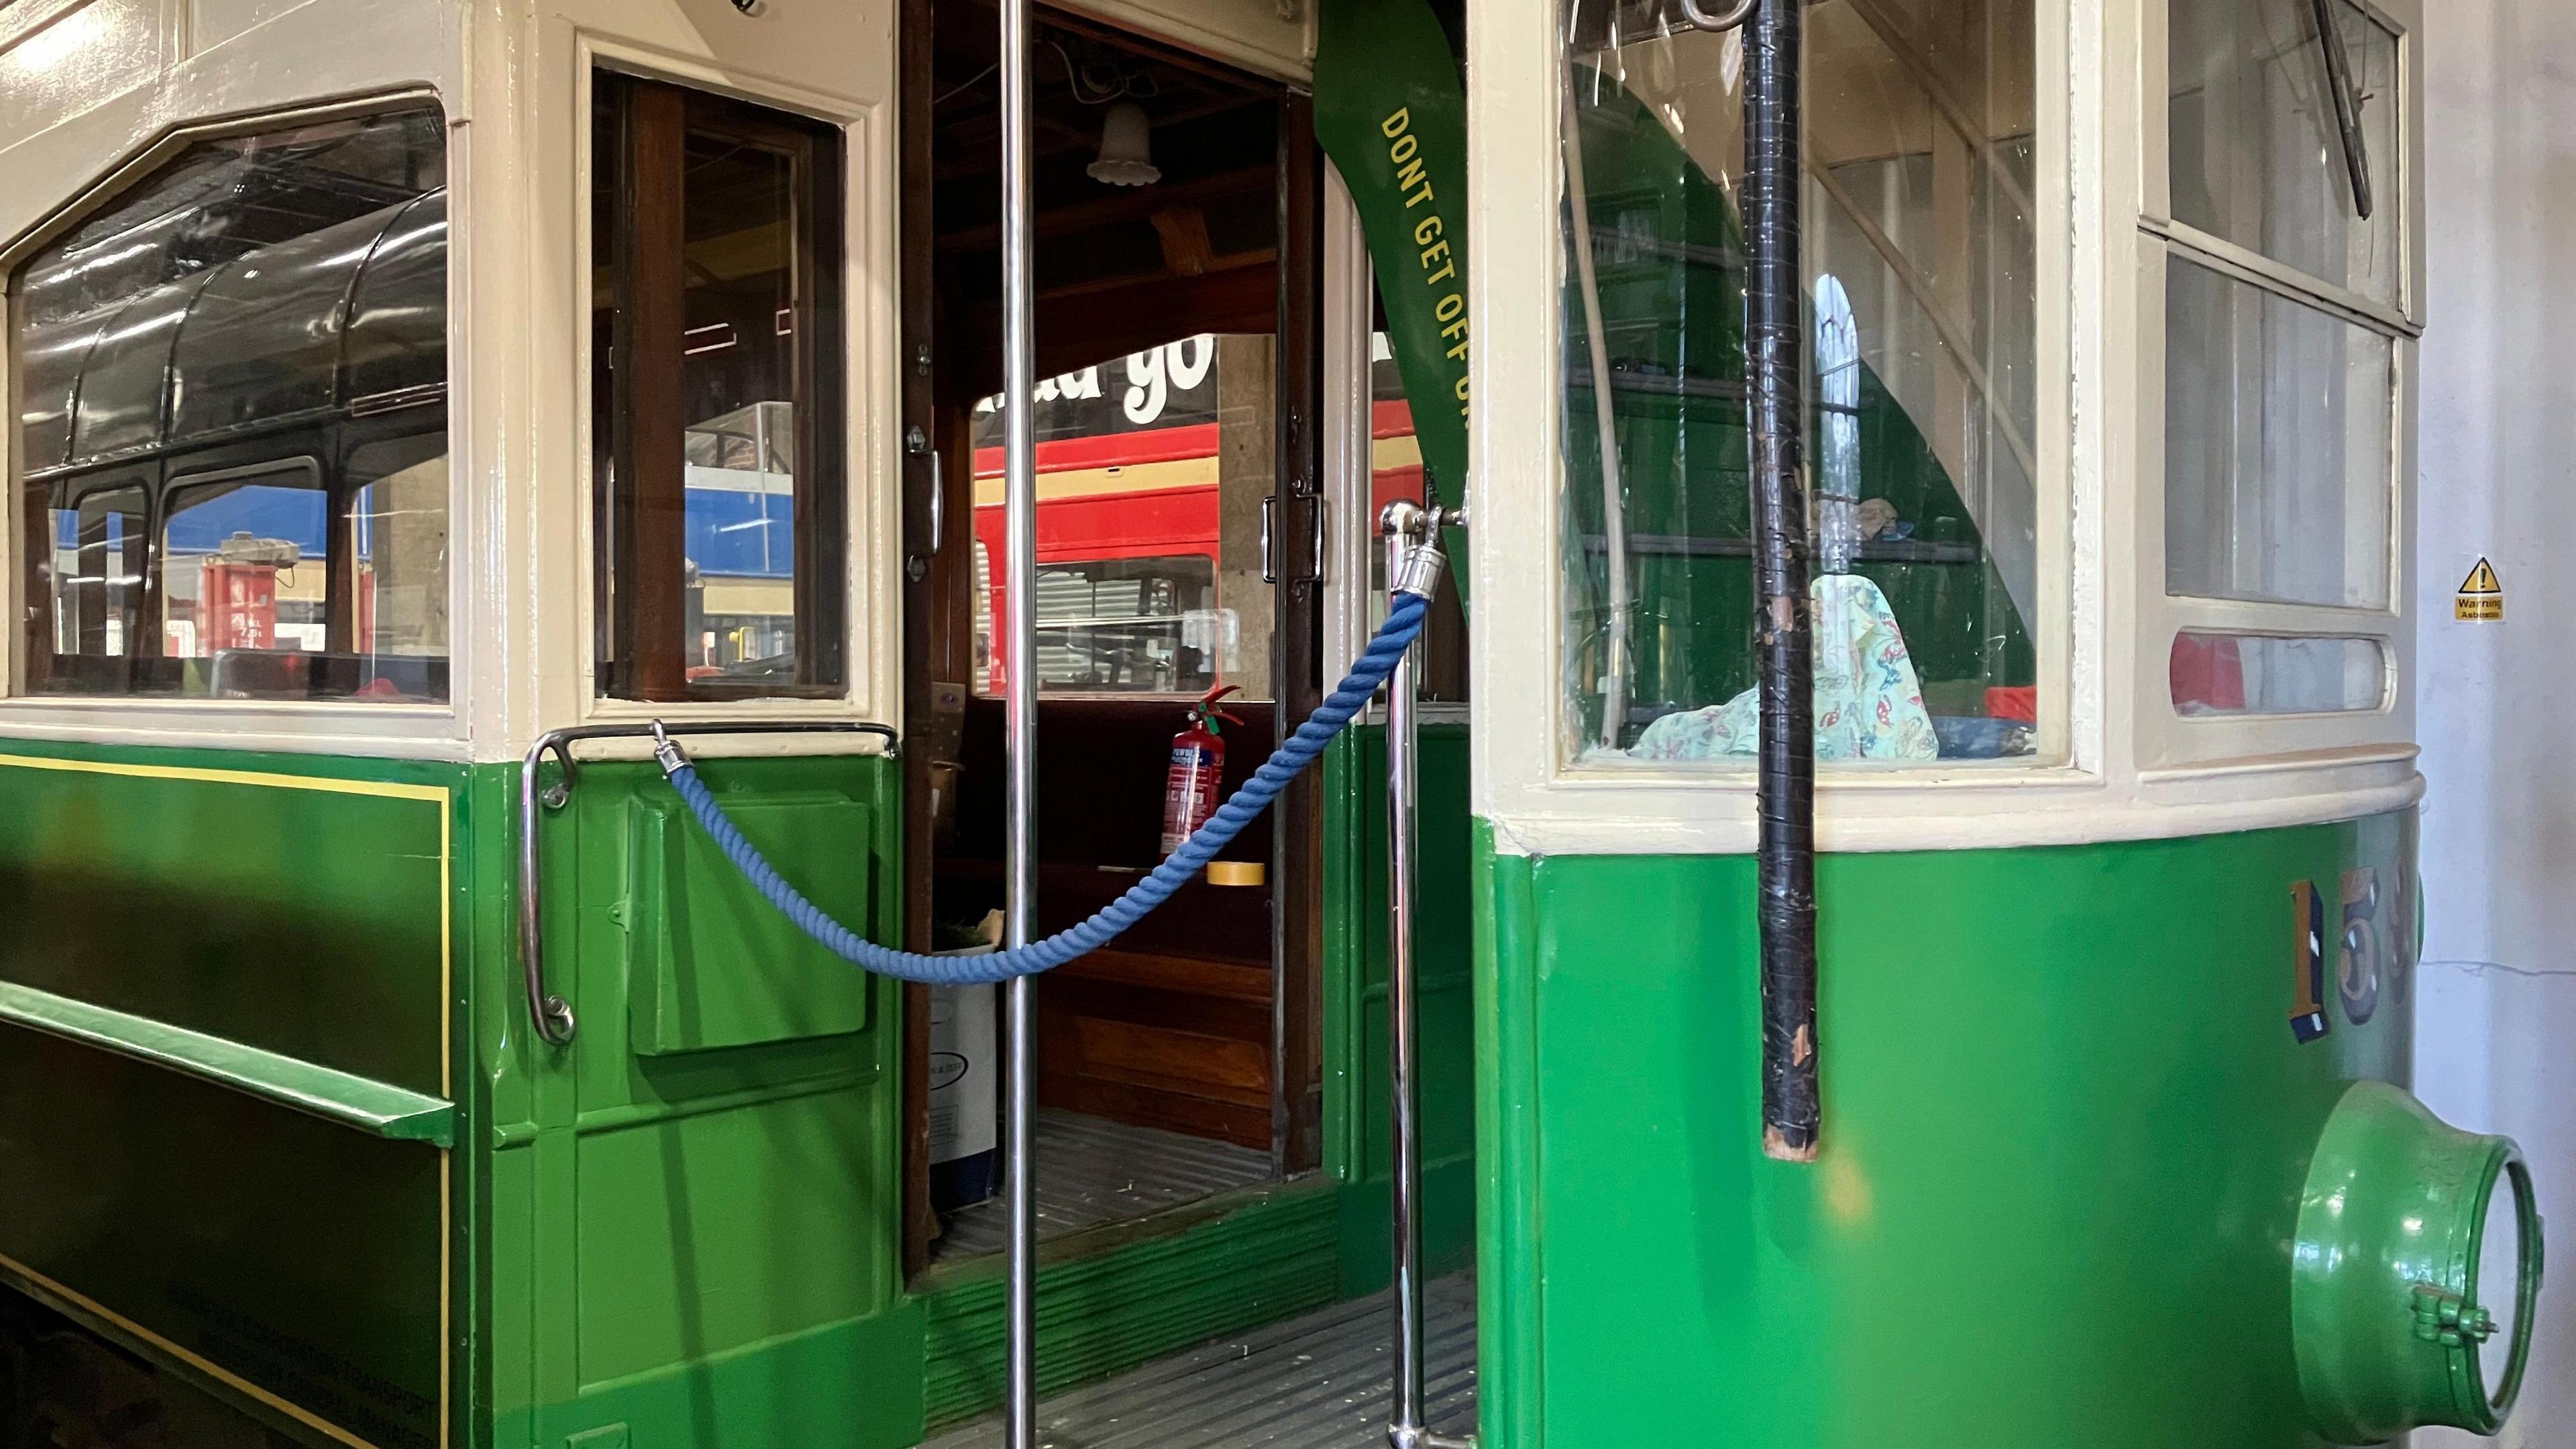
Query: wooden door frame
x=1297 y=1000
x=938 y=594
x=931 y=576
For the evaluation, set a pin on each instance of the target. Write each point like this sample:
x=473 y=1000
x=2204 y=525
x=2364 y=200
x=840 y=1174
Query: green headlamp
x=2413 y=1277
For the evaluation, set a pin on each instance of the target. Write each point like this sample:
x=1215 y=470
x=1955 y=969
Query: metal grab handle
x=1702 y=20
x=1410 y=530
x=938 y=502
x=551 y=1015
x=917 y=443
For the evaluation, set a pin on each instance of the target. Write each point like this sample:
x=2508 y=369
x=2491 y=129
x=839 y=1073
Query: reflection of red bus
x=1129 y=598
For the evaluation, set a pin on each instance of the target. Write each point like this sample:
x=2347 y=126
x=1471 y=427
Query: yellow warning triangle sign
x=2481 y=596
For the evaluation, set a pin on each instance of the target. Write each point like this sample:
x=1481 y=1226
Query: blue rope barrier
x=1403 y=622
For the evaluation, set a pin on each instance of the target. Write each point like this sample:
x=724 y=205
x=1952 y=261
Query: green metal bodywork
x=2067 y=1130
x=2069 y=1124
x=263 y=947
x=1357 y=1101
x=247 y=1000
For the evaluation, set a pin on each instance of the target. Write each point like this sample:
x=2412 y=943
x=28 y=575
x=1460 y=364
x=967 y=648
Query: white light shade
x=1126 y=148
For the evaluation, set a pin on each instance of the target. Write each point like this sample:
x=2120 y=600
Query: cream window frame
x=2124 y=768
x=196 y=98
x=2170 y=744
x=1539 y=799
x=838 y=69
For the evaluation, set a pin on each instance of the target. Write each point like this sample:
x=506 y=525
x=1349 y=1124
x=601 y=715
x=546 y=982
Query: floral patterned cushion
x=1868 y=704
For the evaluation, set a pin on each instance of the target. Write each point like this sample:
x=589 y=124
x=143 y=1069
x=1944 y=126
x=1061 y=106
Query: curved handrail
x=1702 y=20
x=551 y=1015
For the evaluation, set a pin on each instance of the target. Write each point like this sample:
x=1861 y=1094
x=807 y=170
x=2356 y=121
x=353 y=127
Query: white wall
x=2496 y=703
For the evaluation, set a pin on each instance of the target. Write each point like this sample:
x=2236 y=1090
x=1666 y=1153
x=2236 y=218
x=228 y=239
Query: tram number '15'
x=2362 y=953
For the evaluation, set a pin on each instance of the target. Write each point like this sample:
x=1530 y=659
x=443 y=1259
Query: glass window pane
x=398 y=532
x=2278 y=459
x=2502 y=1265
x=198 y=434
x=2216 y=674
x=1151 y=474
x=99 y=558
x=716 y=395
x=1922 y=390
x=2255 y=148
x=243 y=569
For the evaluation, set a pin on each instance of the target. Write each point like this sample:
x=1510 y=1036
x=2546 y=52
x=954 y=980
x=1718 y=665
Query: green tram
x=1898 y=902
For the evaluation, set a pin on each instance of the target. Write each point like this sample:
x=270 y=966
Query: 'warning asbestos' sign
x=2481 y=597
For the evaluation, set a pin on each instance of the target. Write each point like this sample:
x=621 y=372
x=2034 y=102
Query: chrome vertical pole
x=1019 y=464
x=1407 y=528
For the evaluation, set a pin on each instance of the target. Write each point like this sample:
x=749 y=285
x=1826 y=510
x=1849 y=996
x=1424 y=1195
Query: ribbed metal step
x=1317 y=1382
x=1093 y=1171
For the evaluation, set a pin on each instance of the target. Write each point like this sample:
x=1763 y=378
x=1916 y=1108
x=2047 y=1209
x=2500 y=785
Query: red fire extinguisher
x=1198 y=770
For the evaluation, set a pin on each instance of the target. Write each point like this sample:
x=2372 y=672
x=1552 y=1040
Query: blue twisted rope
x=1403 y=621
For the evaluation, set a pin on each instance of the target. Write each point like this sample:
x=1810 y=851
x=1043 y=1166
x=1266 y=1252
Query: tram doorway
x=1175 y=216
x=1218 y=422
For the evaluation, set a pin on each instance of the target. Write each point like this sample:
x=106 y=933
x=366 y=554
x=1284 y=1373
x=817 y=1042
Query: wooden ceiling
x=1118 y=268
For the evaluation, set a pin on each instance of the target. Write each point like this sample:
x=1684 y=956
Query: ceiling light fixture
x=1126 y=148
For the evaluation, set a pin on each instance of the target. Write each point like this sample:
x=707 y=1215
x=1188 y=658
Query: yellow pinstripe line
x=198 y=1361
x=383 y=788
x=442 y=797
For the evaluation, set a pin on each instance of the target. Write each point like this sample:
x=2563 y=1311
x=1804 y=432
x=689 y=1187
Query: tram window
x=244 y=566
x=397 y=543
x=1921 y=434
x=2279 y=450
x=99 y=559
x=1151 y=472
x=2223 y=674
x=197 y=342
x=2256 y=155
x=718 y=483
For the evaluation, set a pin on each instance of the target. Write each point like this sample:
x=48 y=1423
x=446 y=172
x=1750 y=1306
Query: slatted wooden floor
x=1316 y=1382
x=1093 y=1171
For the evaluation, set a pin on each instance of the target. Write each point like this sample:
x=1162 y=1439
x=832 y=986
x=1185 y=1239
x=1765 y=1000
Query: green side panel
x=715 y=964
x=1265 y=1259
x=851 y=1385
x=229 y=982
x=2067 y=1127
x=1509 y=1382
x=282 y=1250
x=265 y=901
x=1391 y=110
x=698 y=1201
x=1359 y=1114
x=756 y=1225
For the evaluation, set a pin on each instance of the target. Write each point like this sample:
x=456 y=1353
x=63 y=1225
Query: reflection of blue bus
x=740 y=536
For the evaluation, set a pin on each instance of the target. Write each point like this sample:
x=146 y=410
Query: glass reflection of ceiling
x=223 y=198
